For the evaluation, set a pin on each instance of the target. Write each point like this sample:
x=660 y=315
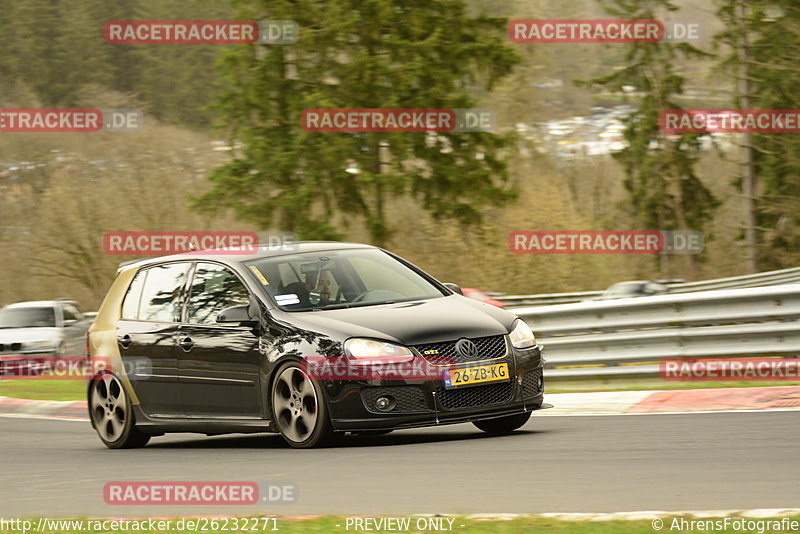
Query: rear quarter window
x=130 y=306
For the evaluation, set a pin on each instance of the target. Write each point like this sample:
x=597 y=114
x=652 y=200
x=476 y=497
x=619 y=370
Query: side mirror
x=453 y=287
x=70 y=322
x=236 y=314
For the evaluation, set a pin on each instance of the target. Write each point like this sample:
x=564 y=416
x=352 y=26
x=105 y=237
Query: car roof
x=37 y=304
x=631 y=283
x=264 y=251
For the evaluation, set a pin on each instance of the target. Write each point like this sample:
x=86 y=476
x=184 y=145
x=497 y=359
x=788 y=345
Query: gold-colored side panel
x=104 y=347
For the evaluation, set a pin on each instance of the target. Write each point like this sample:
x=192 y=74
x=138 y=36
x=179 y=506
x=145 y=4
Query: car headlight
x=47 y=344
x=368 y=351
x=521 y=335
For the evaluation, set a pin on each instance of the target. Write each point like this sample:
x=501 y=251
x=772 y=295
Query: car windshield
x=27 y=317
x=340 y=279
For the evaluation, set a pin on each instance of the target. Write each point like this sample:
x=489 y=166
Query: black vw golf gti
x=311 y=341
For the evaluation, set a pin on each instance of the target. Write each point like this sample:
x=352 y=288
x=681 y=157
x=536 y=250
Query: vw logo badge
x=467 y=348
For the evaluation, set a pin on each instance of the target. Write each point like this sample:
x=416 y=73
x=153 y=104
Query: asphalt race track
x=554 y=464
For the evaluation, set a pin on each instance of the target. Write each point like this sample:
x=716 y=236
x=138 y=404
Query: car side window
x=161 y=293
x=70 y=313
x=130 y=306
x=213 y=289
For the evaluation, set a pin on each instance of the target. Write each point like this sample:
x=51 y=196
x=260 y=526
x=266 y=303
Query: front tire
x=503 y=425
x=299 y=410
x=112 y=414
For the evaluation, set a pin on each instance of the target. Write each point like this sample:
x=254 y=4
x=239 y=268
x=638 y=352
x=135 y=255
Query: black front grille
x=445 y=353
x=471 y=397
x=409 y=398
x=531 y=381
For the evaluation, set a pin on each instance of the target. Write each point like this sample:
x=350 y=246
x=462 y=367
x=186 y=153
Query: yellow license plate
x=497 y=372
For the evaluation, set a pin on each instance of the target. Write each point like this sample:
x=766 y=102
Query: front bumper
x=422 y=403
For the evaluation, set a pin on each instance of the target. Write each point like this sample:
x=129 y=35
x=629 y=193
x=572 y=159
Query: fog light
x=541 y=383
x=385 y=403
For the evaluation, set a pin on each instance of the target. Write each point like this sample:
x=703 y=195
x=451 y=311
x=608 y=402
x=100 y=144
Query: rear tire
x=299 y=410
x=503 y=425
x=111 y=413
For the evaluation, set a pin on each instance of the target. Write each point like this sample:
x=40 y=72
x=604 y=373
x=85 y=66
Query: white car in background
x=43 y=328
x=634 y=288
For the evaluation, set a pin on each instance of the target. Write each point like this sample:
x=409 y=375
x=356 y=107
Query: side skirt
x=209 y=426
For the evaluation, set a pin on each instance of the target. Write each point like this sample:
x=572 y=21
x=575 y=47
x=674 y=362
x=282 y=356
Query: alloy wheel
x=295 y=403
x=109 y=407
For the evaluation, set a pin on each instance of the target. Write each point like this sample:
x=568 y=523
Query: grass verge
x=40 y=389
x=532 y=524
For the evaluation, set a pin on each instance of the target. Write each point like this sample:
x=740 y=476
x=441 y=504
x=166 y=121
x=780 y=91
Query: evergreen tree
x=360 y=54
x=770 y=66
x=664 y=191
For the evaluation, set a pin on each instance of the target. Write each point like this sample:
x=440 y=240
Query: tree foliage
x=774 y=55
x=359 y=54
x=665 y=192
x=52 y=50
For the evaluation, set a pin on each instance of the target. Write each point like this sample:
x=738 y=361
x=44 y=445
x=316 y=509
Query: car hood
x=23 y=335
x=411 y=323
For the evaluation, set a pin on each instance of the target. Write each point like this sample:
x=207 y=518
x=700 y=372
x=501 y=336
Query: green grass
x=532 y=524
x=40 y=389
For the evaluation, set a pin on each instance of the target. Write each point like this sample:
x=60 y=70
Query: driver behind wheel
x=319 y=287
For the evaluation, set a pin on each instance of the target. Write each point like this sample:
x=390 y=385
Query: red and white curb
x=774 y=398
x=38 y=409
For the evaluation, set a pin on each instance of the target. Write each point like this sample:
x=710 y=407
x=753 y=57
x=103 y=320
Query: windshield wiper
x=333 y=307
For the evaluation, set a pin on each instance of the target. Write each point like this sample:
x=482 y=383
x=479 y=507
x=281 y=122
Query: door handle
x=125 y=341
x=186 y=344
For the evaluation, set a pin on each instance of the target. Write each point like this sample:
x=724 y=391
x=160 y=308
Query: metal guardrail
x=513 y=301
x=629 y=337
x=770 y=278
